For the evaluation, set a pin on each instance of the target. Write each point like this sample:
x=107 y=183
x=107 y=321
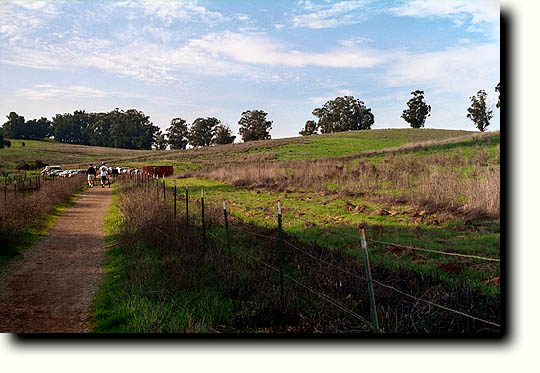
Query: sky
x=212 y=58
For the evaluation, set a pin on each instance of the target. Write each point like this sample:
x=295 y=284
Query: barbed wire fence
x=18 y=186
x=229 y=226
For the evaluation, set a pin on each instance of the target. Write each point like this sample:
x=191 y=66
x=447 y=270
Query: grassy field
x=321 y=214
x=296 y=148
x=312 y=147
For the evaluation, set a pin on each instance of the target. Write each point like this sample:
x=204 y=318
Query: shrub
x=37 y=164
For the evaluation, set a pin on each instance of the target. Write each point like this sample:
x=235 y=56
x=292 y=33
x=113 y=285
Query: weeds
x=21 y=211
x=440 y=181
x=166 y=264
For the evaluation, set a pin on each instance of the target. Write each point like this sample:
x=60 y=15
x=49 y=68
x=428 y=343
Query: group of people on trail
x=92 y=172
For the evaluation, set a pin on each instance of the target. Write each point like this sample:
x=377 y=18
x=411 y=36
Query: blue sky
x=194 y=59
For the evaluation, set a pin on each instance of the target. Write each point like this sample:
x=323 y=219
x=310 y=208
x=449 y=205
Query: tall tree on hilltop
x=38 y=128
x=418 y=110
x=479 y=112
x=73 y=128
x=344 y=114
x=223 y=135
x=43 y=128
x=132 y=129
x=14 y=127
x=254 y=125
x=178 y=133
x=310 y=128
x=202 y=131
x=99 y=133
x=160 y=141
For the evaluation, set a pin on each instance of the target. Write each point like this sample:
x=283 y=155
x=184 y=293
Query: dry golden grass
x=20 y=211
x=469 y=185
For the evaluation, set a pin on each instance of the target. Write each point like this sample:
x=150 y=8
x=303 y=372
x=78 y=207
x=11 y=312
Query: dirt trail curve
x=50 y=288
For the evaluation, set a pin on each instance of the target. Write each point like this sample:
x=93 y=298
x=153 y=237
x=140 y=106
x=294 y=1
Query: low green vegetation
x=136 y=295
x=332 y=221
x=347 y=143
x=162 y=278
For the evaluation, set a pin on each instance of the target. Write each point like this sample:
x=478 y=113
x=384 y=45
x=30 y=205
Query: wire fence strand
x=435 y=251
x=343 y=233
x=336 y=303
x=397 y=290
x=410 y=296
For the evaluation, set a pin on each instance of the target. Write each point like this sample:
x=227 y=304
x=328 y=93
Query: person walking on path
x=103 y=174
x=91 y=172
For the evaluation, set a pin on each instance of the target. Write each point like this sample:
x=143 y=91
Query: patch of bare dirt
x=50 y=288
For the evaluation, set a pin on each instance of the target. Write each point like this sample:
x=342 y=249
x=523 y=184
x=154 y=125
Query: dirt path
x=50 y=288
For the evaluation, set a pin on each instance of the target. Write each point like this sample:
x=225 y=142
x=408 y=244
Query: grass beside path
x=136 y=296
x=39 y=229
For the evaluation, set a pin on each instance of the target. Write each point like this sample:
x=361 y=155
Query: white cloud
x=45 y=7
x=328 y=16
x=258 y=49
x=51 y=91
x=79 y=93
x=462 y=69
x=482 y=15
x=321 y=100
x=169 y=12
x=22 y=17
x=154 y=53
x=479 y=10
x=153 y=62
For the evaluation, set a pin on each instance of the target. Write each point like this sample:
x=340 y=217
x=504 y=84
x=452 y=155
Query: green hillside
x=312 y=147
x=296 y=148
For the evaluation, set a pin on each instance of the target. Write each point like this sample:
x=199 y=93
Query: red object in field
x=158 y=170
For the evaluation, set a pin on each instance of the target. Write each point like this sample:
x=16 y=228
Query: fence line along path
x=50 y=288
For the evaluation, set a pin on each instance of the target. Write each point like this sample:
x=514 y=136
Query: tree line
x=348 y=114
x=132 y=129
x=253 y=124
